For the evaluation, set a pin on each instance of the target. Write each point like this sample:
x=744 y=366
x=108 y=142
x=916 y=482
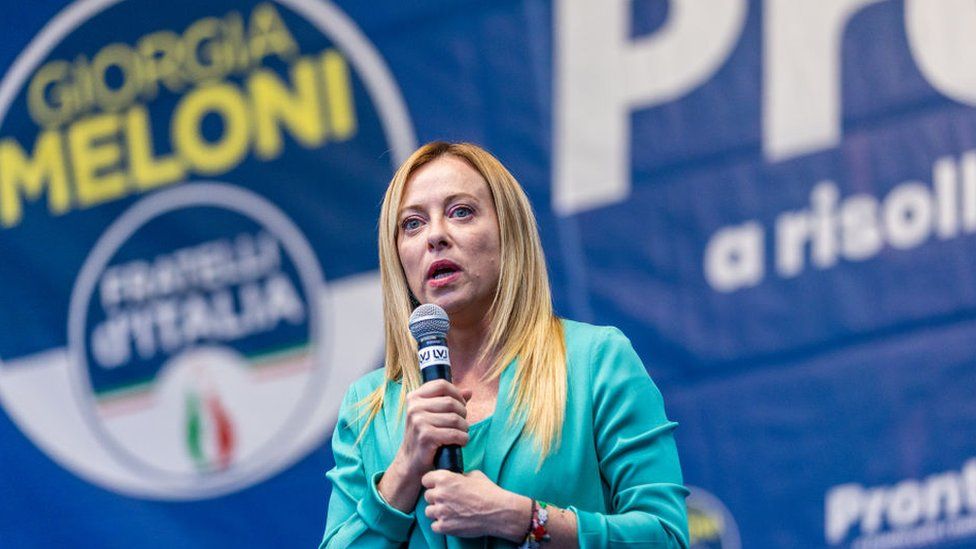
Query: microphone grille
x=429 y=320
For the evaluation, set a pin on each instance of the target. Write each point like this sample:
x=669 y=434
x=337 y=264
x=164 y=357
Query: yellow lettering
x=107 y=155
x=273 y=105
x=162 y=55
x=204 y=58
x=122 y=58
x=338 y=88
x=267 y=34
x=234 y=44
x=49 y=98
x=95 y=155
x=210 y=158
x=148 y=172
x=702 y=527
x=84 y=89
x=19 y=174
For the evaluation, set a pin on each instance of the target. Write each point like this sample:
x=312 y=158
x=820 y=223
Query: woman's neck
x=466 y=340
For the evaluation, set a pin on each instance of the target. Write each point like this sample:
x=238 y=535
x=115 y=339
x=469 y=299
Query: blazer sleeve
x=637 y=453
x=358 y=515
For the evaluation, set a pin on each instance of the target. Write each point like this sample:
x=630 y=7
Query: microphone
x=429 y=325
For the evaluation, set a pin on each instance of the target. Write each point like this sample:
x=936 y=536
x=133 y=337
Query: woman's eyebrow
x=456 y=196
x=410 y=208
x=447 y=200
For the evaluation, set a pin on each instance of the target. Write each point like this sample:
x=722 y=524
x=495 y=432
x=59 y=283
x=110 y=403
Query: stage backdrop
x=775 y=200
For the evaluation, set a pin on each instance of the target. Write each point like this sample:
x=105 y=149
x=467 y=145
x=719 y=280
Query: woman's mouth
x=442 y=272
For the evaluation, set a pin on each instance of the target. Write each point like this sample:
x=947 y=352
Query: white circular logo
x=193 y=364
x=204 y=349
x=710 y=524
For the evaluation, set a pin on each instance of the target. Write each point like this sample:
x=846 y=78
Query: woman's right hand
x=435 y=417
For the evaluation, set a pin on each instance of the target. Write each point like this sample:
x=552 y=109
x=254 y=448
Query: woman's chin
x=463 y=312
x=448 y=303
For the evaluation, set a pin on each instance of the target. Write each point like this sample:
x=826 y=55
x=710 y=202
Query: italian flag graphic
x=209 y=431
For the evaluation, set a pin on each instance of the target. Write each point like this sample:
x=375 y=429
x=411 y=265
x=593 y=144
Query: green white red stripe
x=210 y=438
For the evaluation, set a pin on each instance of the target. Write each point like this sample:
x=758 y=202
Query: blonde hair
x=522 y=323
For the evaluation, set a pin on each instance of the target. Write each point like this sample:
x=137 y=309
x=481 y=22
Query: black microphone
x=429 y=325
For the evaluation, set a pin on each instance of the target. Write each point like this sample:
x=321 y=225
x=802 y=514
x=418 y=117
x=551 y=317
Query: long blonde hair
x=522 y=323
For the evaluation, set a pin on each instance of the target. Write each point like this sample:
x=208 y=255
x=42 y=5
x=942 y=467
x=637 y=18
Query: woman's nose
x=437 y=234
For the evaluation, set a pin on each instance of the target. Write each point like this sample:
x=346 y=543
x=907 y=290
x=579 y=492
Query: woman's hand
x=471 y=505
x=435 y=417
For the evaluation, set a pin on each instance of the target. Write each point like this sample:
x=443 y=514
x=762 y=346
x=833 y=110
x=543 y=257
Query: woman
x=565 y=441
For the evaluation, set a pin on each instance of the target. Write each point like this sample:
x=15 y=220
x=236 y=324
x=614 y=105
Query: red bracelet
x=537 y=526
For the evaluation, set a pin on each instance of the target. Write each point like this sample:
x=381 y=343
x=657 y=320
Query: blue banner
x=775 y=200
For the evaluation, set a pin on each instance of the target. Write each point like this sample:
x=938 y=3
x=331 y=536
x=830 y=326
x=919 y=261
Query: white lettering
x=861 y=235
x=801 y=74
x=793 y=231
x=734 y=257
x=844 y=507
x=602 y=75
x=855 y=228
x=943 y=492
x=206 y=266
x=942 y=496
x=941 y=39
x=905 y=507
x=907 y=215
x=824 y=198
x=173 y=323
x=435 y=354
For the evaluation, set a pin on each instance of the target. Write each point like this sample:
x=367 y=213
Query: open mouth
x=442 y=269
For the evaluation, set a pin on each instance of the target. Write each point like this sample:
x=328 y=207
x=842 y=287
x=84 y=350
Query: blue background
x=861 y=373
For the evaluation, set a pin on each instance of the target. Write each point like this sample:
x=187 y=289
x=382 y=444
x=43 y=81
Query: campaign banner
x=775 y=200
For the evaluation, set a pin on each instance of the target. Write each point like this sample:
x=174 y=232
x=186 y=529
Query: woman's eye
x=461 y=211
x=410 y=224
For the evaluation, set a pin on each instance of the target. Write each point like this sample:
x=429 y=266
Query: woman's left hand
x=471 y=505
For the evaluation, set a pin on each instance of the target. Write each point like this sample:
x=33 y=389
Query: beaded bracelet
x=537 y=532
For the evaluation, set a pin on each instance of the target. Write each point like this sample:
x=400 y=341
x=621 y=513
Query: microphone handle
x=436 y=371
x=446 y=457
x=449 y=458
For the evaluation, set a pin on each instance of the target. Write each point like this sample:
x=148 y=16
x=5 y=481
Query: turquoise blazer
x=616 y=466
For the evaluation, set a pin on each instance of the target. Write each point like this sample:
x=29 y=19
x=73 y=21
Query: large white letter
x=942 y=39
x=801 y=74
x=734 y=257
x=602 y=75
x=845 y=504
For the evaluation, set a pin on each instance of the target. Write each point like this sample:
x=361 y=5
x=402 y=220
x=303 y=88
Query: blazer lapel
x=502 y=432
x=394 y=426
x=393 y=420
x=502 y=436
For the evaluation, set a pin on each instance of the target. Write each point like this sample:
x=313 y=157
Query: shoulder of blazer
x=585 y=342
x=366 y=384
x=362 y=387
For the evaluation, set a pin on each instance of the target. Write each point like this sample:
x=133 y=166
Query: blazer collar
x=503 y=432
x=395 y=422
x=502 y=435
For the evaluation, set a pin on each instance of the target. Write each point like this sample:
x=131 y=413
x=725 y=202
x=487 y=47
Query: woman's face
x=448 y=238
